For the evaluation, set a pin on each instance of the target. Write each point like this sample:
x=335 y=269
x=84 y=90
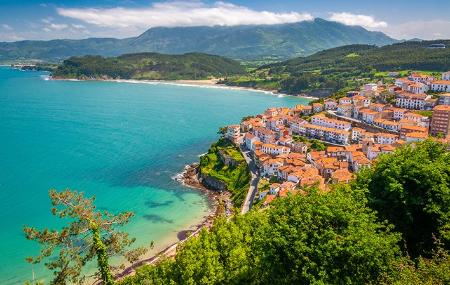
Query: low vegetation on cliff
x=350 y=235
x=224 y=168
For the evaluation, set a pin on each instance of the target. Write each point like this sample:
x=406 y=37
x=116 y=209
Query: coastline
x=189 y=178
x=202 y=83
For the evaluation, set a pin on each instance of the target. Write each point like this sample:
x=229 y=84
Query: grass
x=352 y=55
x=237 y=178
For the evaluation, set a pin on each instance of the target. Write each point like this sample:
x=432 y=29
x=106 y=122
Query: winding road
x=246 y=206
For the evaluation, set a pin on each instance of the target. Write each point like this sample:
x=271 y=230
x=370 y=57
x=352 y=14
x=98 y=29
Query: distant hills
x=345 y=67
x=249 y=42
x=149 y=66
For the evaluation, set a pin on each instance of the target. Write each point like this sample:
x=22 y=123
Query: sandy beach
x=202 y=83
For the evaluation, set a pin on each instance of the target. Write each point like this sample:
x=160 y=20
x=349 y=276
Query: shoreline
x=202 y=83
x=189 y=178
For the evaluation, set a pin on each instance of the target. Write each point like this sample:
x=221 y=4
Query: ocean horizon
x=121 y=142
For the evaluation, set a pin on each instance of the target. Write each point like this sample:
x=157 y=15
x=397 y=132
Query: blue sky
x=40 y=19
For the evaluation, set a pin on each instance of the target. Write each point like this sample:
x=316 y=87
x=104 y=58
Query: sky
x=69 y=19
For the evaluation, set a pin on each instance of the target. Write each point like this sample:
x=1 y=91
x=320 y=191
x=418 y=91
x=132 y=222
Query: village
x=350 y=131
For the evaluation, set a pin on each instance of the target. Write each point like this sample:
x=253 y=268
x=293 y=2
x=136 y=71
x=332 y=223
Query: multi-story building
x=418 y=88
x=410 y=101
x=441 y=85
x=323 y=121
x=233 y=132
x=317 y=107
x=398 y=113
x=368 y=115
x=330 y=104
x=345 y=100
x=386 y=124
x=444 y=99
x=440 y=122
x=345 y=109
x=273 y=149
x=421 y=78
x=446 y=75
x=384 y=138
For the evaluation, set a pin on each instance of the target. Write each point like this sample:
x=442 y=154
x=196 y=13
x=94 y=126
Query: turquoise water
x=121 y=142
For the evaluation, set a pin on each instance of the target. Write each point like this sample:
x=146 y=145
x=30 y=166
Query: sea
x=120 y=142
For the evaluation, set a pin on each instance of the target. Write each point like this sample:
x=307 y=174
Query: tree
x=411 y=189
x=328 y=238
x=90 y=234
x=318 y=145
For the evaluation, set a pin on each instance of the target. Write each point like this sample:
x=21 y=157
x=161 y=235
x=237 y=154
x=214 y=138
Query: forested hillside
x=152 y=66
x=345 y=67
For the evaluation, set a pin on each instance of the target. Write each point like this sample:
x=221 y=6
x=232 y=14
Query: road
x=246 y=206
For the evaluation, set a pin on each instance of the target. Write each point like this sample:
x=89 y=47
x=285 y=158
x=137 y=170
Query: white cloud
x=57 y=27
x=47 y=20
x=76 y=26
x=6 y=27
x=350 y=19
x=171 y=14
x=427 y=30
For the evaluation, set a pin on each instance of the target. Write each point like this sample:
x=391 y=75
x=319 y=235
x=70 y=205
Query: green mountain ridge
x=345 y=67
x=245 y=42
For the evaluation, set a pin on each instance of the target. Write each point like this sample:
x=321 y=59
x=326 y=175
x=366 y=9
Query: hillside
x=345 y=67
x=390 y=226
x=262 y=42
x=151 y=66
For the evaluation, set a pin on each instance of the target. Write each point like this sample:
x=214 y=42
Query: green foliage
x=411 y=189
x=236 y=176
x=423 y=271
x=345 y=68
x=89 y=234
x=151 y=66
x=317 y=145
x=318 y=239
x=246 y=118
x=298 y=138
x=425 y=113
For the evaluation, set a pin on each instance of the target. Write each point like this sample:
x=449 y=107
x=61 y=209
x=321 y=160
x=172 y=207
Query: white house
x=345 y=110
x=418 y=88
x=330 y=104
x=273 y=149
x=370 y=87
x=446 y=75
x=420 y=78
x=249 y=140
x=323 y=121
x=410 y=101
x=270 y=167
x=441 y=85
x=368 y=115
x=233 y=132
x=274 y=188
x=345 y=100
x=384 y=138
x=399 y=113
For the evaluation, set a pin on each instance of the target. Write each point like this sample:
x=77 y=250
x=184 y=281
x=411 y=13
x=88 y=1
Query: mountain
x=150 y=66
x=246 y=42
x=346 y=67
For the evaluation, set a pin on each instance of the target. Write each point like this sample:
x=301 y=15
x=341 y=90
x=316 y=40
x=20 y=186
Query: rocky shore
x=214 y=190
